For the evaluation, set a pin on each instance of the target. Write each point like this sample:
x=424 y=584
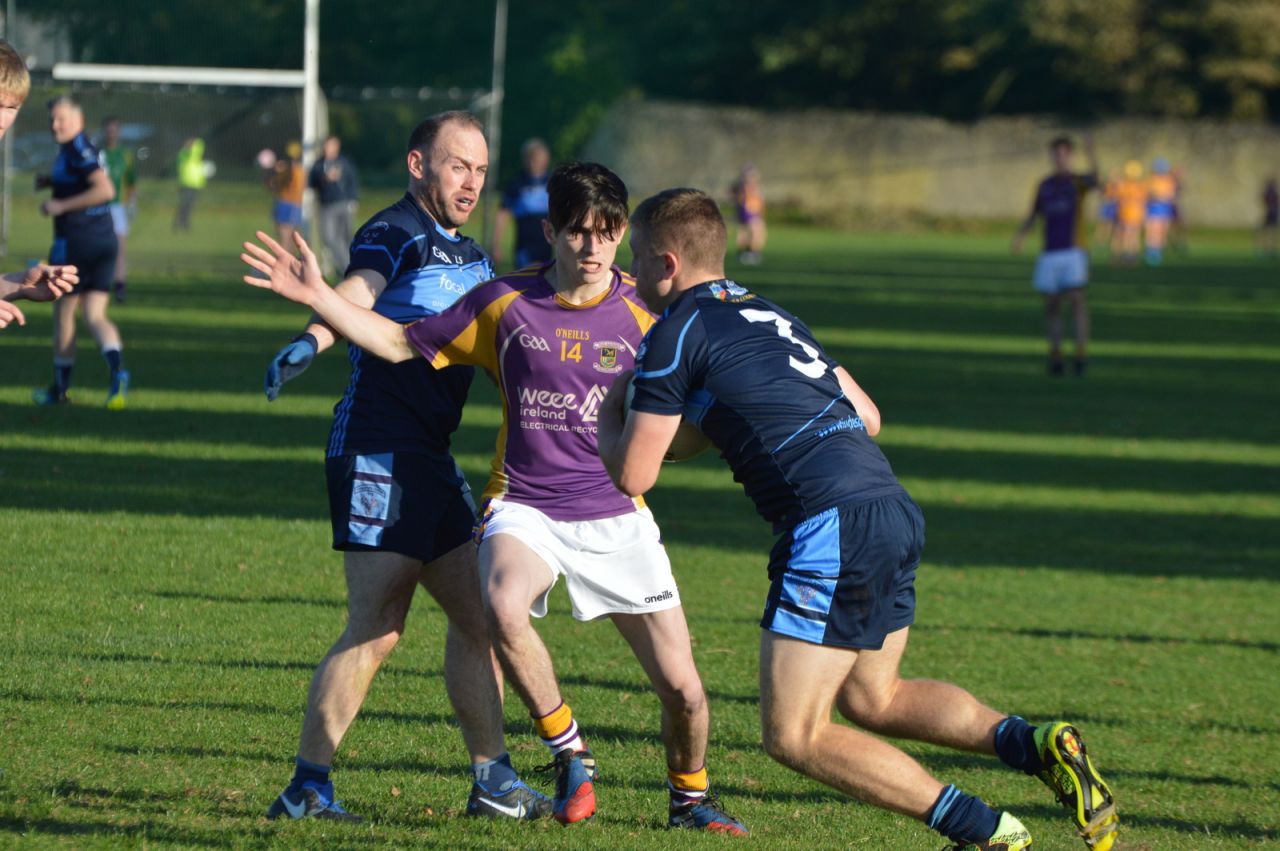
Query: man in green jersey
x=122 y=167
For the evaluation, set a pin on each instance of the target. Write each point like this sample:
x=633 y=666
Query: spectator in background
x=287 y=181
x=337 y=188
x=191 y=179
x=1131 y=210
x=1162 y=200
x=749 y=203
x=1270 y=227
x=122 y=167
x=524 y=200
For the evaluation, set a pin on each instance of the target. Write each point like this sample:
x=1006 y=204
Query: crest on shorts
x=607 y=357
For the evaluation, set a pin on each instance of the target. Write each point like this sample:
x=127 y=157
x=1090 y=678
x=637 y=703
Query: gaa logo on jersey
x=607 y=357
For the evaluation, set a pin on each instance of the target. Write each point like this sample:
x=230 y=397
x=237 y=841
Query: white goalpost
x=244 y=105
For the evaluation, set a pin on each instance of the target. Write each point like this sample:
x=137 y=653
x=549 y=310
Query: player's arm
x=10 y=313
x=1091 y=156
x=299 y=279
x=361 y=288
x=1027 y=224
x=861 y=402
x=100 y=191
x=632 y=449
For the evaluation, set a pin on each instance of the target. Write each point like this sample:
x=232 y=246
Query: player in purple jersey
x=401 y=511
x=552 y=337
x=1062 y=270
x=797 y=430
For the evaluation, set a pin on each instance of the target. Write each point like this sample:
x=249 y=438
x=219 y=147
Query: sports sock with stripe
x=962 y=818
x=687 y=787
x=558 y=730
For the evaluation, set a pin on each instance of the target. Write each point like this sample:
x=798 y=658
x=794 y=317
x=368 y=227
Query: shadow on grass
x=1128 y=638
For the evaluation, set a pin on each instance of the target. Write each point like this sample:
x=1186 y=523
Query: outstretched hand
x=296 y=278
x=48 y=283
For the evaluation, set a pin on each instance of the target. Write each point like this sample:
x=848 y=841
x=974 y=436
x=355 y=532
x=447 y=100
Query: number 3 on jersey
x=574 y=354
x=813 y=368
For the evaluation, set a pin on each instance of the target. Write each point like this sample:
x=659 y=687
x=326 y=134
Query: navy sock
x=962 y=818
x=62 y=376
x=304 y=771
x=115 y=360
x=1016 y=745
x=496 y=775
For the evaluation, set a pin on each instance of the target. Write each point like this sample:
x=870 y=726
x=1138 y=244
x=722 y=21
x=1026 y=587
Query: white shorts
x=119 y=219
x=615 y=565
x=1059 y=271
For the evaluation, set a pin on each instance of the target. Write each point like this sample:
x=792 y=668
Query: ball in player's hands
x=688 y=440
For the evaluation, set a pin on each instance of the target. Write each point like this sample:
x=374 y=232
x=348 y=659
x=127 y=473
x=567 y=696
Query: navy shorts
x=401 y=502
x=846 y=577
x=94 y=259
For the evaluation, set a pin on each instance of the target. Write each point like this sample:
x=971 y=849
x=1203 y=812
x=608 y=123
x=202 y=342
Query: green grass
x=1104 y=550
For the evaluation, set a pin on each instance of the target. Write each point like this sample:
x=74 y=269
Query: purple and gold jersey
x=1060 y=200
x=553 y=363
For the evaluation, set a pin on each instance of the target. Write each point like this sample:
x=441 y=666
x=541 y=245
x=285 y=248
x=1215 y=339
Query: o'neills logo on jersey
x=550 y=409
x=658 y=598
x=607 y=357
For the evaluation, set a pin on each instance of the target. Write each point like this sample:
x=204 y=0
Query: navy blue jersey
x=526 y=199
x=76 y=161
x=755 y=381
x=409 y=406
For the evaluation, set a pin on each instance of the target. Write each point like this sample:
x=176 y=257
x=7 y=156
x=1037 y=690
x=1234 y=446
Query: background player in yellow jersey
x=1131 y=210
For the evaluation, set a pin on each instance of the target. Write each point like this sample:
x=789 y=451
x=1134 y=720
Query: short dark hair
x=423 y=137
x=63 y=100
x=684 y=221
x=1061 y=142
x=578 y=190
x=110 y=119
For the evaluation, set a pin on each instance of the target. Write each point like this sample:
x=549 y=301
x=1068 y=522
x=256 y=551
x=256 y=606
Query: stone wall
x=835 y=164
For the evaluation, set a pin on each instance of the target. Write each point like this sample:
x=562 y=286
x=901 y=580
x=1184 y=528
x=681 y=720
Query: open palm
x=296 y=278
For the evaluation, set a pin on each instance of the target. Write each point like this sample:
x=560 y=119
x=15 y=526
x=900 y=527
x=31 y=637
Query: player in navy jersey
x=401 y=510
x=83 y=236
x=797 y=430
x=524 y=202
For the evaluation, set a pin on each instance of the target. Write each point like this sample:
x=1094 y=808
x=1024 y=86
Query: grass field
x=1105 y=550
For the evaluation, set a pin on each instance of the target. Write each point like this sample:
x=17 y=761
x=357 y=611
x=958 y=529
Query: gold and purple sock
x=558 y=730
x=687 y=787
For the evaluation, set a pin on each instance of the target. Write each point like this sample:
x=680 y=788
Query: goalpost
x=123 y=79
